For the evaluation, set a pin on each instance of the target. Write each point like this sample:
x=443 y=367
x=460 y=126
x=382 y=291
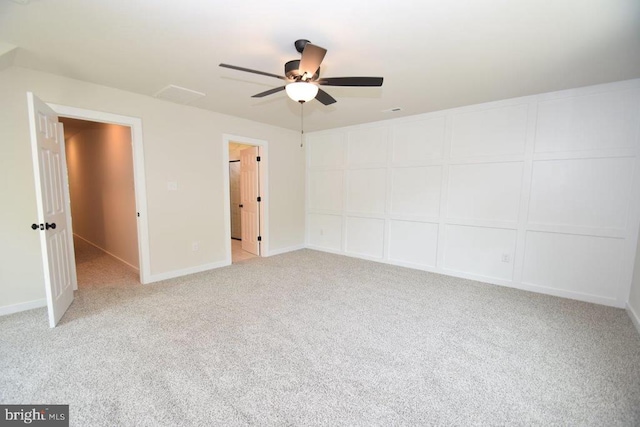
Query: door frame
x=139 y=181
x=263 y=148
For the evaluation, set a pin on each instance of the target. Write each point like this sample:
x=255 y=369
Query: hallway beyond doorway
x=237 y=253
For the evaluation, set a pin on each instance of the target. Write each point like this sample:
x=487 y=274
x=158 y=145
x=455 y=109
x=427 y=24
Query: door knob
x=37 y=226
x=241 y=206
x=52 y=225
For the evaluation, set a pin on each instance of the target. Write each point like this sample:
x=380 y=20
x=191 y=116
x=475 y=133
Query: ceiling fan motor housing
x=292 y=71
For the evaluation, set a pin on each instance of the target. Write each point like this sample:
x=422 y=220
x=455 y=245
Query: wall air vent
x=178 y=94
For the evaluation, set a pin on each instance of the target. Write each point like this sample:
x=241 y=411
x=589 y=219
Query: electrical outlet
x=506 y=258
x=195 y=246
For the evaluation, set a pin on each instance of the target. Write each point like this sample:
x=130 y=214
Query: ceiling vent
x=178 y=94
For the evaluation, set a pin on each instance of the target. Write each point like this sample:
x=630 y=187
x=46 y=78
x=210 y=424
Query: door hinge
x=259 y=238
x=138 y=214
x=259 y=198
x=258 y=159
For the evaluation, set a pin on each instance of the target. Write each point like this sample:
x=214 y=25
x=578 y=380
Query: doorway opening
x=103 y=204
x=109 y=210
x=245 y=199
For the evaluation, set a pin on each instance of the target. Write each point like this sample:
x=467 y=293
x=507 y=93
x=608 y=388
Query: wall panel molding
x=540 y=193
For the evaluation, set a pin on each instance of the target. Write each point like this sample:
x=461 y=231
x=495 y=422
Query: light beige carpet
x=309 y=338
x=97 y=269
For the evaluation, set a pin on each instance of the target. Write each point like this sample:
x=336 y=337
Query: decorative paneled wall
x=539 y=193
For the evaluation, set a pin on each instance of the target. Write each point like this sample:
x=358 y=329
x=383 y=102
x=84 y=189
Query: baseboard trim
x=635 y=318
x=23 y=306
x=287 y=249
x=185 y=272
x=136 y=269
x=329 y=250
x=594 y=299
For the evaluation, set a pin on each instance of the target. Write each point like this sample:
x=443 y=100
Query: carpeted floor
x=97 y=269
x=309 y=338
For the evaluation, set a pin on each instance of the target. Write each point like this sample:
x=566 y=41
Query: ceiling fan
x=303 y=76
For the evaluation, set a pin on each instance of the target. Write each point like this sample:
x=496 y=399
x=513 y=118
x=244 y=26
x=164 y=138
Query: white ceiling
x=433 y=54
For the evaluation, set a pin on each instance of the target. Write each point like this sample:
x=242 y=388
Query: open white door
x=249 y=199
x=54 y=216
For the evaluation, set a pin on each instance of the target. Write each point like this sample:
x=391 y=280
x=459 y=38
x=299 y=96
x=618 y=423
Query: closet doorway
x=100 y=167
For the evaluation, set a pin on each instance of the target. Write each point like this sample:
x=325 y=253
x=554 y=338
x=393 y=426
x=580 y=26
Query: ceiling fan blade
x=248 y=70
x=312 y=56
x=268 y=92
x=325 y=98
x=351 y=81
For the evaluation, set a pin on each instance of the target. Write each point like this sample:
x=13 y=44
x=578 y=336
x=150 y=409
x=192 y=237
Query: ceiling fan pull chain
x=301 y=122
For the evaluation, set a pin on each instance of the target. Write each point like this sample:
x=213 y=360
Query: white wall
x=539 y=193
x=101 y=183
x=181 y=144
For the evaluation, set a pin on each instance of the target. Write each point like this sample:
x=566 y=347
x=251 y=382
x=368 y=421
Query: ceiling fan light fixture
x=301 y=91
x=303 y=76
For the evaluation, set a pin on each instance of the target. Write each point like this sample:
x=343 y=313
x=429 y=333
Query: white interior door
x=52 y=196
x=249 y=194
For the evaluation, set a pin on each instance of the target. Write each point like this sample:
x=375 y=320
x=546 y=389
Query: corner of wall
x=633 y=302
x=635 y=317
